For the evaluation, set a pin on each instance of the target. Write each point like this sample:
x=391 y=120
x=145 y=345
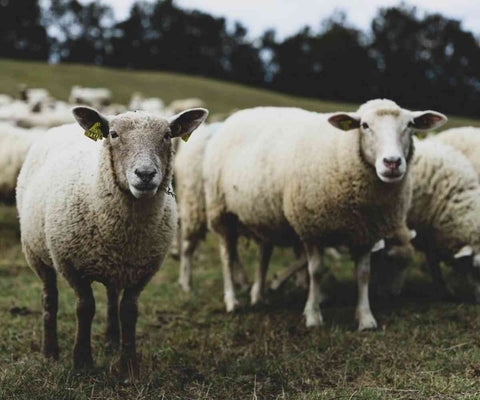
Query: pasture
x=190 y=348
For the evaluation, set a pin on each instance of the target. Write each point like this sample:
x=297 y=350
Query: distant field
x=190 y=348
x=221 y=97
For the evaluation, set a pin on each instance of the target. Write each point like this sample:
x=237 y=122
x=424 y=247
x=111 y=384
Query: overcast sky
x=288 y=16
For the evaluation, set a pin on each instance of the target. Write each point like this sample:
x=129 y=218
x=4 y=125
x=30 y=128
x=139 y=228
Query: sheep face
x=140 y=144
x=386 y=134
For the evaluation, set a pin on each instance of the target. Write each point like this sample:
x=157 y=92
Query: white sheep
x=14 y=145
x=445 y=214
x=153 y=105
x=100 y=211
x=94 y=97
x=284 y=173
x=177 y=106
x=34 y=96
x=54 y=114
x=5 y=99
x=466 y=140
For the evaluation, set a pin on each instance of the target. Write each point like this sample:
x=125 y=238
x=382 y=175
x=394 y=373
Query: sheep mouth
x=391 y=176
x=144 y=190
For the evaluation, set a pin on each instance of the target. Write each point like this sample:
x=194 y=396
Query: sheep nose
x=392 y=162
x=145 y=174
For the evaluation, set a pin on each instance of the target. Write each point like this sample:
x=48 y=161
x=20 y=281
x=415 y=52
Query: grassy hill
x=221 y=97
x=426 y=348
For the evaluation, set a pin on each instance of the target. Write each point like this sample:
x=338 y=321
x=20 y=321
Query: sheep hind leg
x=112 y=333
x=264 y=253
x=48 y=276
x=187 y=249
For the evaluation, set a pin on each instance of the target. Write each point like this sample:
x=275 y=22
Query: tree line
x=418 y=59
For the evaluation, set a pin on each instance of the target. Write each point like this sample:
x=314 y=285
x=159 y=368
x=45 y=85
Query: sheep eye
x=365 y=125
x=113 y=134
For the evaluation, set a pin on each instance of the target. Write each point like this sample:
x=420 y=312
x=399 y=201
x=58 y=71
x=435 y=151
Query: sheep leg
x=436 y=274
x=264 y=253
x=82 y=350
x=48 y=276
x=239 y=275
x=128 y=319
x=229 y=255
x=280 y=279
x=316 y=270
x=187 y=248
x=363 y=312
x=112 y=334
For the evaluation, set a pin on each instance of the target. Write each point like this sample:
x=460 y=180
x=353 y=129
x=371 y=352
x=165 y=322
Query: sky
x=288 y=16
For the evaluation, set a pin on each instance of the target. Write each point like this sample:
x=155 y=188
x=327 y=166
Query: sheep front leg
x=363 y=312
x=187 y=248
x=128 y=319
x=316 y=270
x=82 y=350
x=112 y=334
x=264 y=254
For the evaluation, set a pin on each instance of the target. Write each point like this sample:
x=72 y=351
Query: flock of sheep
x=104 y=209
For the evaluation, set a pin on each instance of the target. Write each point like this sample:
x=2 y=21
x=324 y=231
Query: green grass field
x=191 y=349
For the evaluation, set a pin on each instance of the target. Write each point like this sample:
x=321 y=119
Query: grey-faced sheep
x=99 y=211
x=283 y=174
x=445 y=213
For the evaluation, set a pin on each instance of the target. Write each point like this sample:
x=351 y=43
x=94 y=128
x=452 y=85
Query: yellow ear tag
x=186 y=137
x=345 y=124
x=94 y=133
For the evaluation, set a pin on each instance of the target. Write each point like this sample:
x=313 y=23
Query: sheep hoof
x=186 y=286
x=231 y=303
x=367 y=322
x=313 y=318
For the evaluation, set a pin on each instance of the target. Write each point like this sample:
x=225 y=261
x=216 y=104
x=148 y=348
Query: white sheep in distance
x=177 y=106
x=100 y=211
x=34 y=96
x=466 y=140
x=285 y=173
x=94 y=97
x=445 y=213
x=14 y=145
x=153 y=105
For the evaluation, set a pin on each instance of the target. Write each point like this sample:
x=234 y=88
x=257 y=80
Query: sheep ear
x=380 y=245
x=89 y=119
x=345 y=121
x=183 y=124
x=465 y=251
x=427 y=120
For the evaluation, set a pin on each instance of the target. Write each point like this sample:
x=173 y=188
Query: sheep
x=34 y=95
x=14 y=145
x=55 y=114
x=445 y=213
x=94 y=97
x=285 y=174
x=466 y=140
x=153 y=105
x=177 y=106
x=100 y=211
x=14 y=111
x=5 y=99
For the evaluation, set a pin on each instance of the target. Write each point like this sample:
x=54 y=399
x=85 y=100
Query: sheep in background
x=14 y=145
x=466 y=140
x=177 y=106
x=34 y=96
x=285 y=173
x=153 y=105
x=5 y=100
x=94 y=97
x=100 y=211
x=445 y=213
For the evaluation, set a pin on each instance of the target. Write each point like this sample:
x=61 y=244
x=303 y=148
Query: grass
x=191 y=349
